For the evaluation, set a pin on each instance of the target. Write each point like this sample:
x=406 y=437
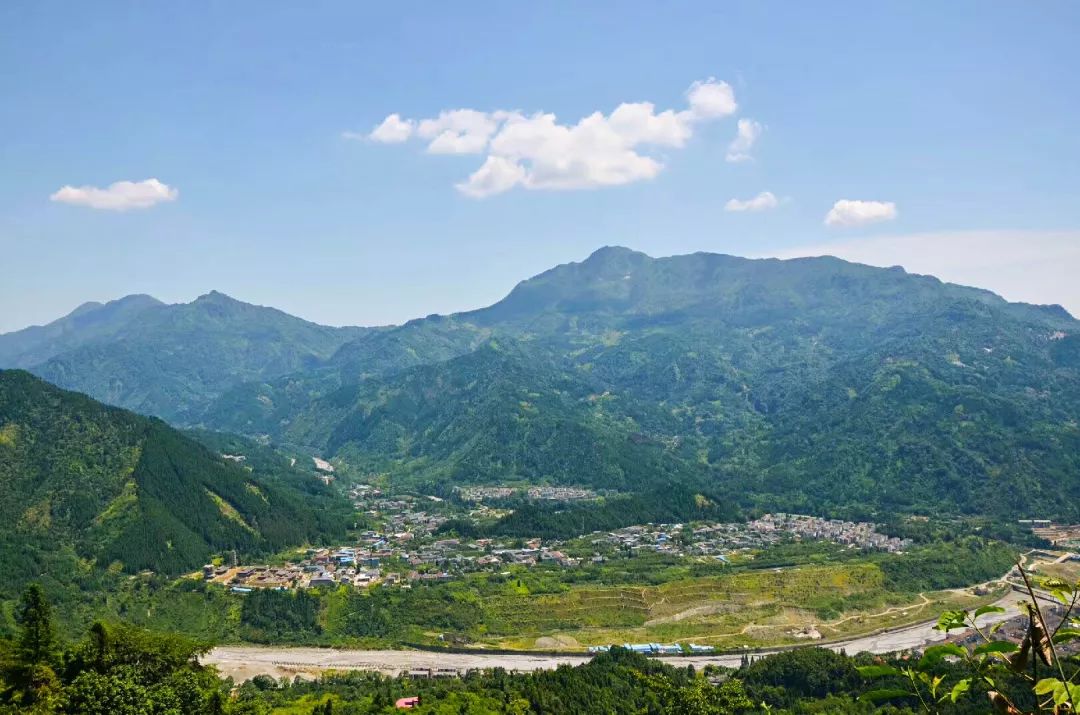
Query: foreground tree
x=33 y=683
x=1026 y=678
x=37 y=635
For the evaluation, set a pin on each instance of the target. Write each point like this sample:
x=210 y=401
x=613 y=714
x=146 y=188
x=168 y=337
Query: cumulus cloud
x=392 y=130
x=536 y=151
x=847 y=212
x=118 y=196
x=762 y=202
x=459 y=131
x=1003 y=261
x=498 y=174
x=711 y=99
x=746 y=135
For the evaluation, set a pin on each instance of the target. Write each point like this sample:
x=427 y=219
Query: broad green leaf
x=997 y=647
x=949 y=620
x=1057 y=584
x=983 y=610
x=1066 y=634
x=1061 y=691
x=1059 y=589
x=936 y=652
x=960 y=689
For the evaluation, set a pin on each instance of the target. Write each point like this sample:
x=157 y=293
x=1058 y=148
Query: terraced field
x=1068 y=570
x=749 y=608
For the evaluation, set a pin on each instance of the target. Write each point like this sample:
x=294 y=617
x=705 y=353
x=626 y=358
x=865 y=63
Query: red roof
x=407 y=703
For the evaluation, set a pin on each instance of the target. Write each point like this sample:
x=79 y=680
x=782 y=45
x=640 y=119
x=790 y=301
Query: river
x=244 y=662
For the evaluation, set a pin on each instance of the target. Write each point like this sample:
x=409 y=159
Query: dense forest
x=92 y=492
x=118 y=669
x=806 y=385
x=810 y=385
x=169 y=360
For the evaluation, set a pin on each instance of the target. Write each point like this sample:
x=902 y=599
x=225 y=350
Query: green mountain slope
x=497 y=413
x=173 y=360
x=89 y=322
x=87 y=486
x=808 y=384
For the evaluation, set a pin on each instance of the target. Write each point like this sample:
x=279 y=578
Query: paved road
x=244 y=662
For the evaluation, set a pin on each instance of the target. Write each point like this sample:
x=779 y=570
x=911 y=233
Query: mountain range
x=805 y=384
x=169 y=360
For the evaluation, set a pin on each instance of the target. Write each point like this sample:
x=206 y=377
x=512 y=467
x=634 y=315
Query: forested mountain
x=806 y=384
x=170 y=360
x=87 y=486
x=800 y=384
x=90 y=321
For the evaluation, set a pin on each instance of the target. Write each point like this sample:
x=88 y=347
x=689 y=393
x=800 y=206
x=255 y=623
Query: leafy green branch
x=994 y=663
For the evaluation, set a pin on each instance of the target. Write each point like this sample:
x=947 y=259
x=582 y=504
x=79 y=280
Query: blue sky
x=961 y=116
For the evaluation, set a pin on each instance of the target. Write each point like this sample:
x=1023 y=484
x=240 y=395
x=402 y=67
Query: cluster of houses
x=320 y=568
x=719 y=540
x=479 y=494
x=399 y=515
x=408 y=551
x=404 y=545
x=484 y=554
x=561 y=493
x=382 y=559
x=863 y=535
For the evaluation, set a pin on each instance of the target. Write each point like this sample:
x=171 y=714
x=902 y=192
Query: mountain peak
x=215 y=296
x=87 y=307
x=90 y=321
x=607 y=254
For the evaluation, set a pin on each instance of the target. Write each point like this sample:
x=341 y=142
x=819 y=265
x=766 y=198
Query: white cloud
x=118 y=196
x=763 y=201
x=1030 y=266
x=711 y=99
x=536 y=151
x=458 y=131
x=746 y=135
x=495 y=176
x=392 y=130
x=847 y=212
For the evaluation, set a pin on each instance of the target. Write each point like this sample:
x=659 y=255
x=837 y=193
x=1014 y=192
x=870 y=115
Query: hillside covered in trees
x=169 y=360
x=89 y=487
x=803 y=385
x=120 y=669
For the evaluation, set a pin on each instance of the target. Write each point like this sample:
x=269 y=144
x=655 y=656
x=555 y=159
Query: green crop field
x=756 y=604
x=753 y=608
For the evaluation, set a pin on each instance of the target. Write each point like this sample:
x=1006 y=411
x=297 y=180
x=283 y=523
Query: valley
x=626 y=451
x=244 y=662
x=696 y=358
x=409 y=578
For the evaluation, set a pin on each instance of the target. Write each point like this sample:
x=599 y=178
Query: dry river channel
x=245 y=662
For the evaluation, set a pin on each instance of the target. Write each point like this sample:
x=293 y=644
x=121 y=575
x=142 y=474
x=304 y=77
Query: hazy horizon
x=809 y=254
x=357 y=165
